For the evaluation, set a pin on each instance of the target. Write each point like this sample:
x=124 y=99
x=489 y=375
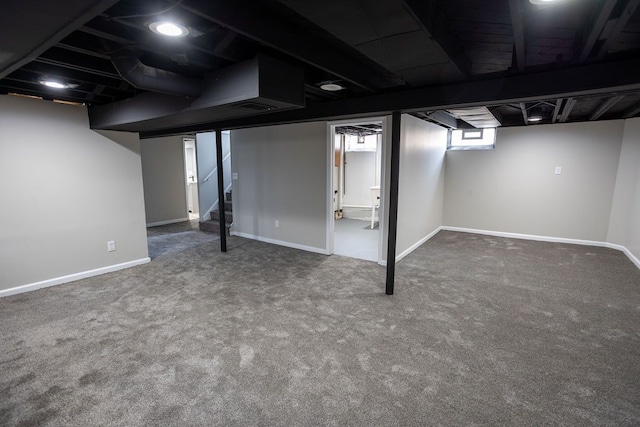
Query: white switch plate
x=277 y=223
x=234 y=175
x=558 y=170
x=111 y=246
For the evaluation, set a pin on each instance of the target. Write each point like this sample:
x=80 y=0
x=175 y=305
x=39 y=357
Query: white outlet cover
x=111 y=246
x=234 y=175
x=558 y=170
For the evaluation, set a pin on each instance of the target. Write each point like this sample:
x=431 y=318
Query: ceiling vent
x=259 y=86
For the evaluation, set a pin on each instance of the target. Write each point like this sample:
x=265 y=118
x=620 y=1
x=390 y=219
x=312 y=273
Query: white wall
x=282 y=175
x=421 y=186
x=66 y=191
x=624 y=225
x=164 y=180
x=514 y=189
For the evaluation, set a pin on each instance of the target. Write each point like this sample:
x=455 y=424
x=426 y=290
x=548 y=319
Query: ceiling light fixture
x=169 y=29
x=331 y=87
x=539 y=2
x=534 y=118
x=54 y=84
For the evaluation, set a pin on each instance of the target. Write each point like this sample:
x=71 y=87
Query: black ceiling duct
x=153 y=79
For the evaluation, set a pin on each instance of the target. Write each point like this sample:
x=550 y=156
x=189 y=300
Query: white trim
x=281 y=243
x=208 y=177
x=417 y=244
x=621 y=248
x=626 y=251
x=170 y=221
x=525 y=236
x=71 y=277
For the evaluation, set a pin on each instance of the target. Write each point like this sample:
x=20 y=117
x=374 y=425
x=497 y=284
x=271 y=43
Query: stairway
x=213 y=225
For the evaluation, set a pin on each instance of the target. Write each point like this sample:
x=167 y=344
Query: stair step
x=211 y=226
x=228 y=206
x=227 y=196
x=228 y=216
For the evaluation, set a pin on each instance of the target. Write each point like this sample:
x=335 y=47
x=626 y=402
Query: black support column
x=393 y=201
x=223 y=228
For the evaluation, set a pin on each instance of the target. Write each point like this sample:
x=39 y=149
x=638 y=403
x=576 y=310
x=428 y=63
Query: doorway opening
x=357 y=151
x=191 y=178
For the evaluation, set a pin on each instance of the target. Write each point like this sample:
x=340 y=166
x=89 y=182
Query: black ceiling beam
x=39 y=69
x=88 y=70
x=632 y=112
x=49 y=39
x=429 y=15
x=260 y=24
x=82 y=51
x=556 y=110
x=517 y=23
x=443 y=118
x=591 y=79
x=596 y=29
x=629 y=8
x=568 y=106
x=523 y=108
x=605 y=106
x=106 y=32
x=184 y=42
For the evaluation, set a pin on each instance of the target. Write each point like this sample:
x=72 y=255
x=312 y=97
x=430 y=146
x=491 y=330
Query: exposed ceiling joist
x=443 y=118
x=63 y=64
x=592 y=79
x=629 y=9
x=517 y=23
x=42 y=39
x=605 y=106
x=632 y=112
x=429 y=16
x=258 y=23
x=82 y=51
x=523 y=108
x=596 y=29
x=556 y=110
x=568 y=106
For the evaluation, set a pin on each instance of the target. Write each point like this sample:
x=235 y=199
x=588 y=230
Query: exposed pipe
x=154 y=79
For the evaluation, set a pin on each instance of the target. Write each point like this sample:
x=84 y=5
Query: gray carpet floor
x=481 y=331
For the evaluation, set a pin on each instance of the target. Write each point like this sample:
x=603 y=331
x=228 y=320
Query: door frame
x=330 y=220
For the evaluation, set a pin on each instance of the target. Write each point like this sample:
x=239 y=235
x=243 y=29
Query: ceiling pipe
x=154 y=79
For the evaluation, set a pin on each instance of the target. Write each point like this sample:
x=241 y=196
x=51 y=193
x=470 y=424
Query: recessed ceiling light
x=169 y=29
x=54 y=84
x=534 y=119
x=331 y=87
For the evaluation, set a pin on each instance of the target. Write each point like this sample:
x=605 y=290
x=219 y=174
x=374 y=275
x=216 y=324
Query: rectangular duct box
x=259 y=86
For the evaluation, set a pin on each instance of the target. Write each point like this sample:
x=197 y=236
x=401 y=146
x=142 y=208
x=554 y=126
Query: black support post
x=393 y=201
x=223 y=228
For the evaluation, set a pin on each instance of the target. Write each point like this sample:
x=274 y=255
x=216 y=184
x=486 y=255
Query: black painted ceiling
x=572 y=60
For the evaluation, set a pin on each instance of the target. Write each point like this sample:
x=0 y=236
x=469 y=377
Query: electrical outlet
x=111 y=246
x=558 y=170
x=277 y=223
x=234 y=175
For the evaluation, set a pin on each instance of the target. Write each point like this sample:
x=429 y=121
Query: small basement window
x=472 y=139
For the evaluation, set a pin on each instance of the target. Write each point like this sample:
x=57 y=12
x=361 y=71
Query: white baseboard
x=525 y=236
x=626 y=251
x=171 y=221
x=417 y=244
x=281 y=243
x=71 y=277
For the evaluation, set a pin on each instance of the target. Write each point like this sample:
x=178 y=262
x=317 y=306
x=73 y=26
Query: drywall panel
x=66 y=190
x=282 y=176
x=514 y=188
x=624 y=225
x=421 y=185
x=164 y=177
